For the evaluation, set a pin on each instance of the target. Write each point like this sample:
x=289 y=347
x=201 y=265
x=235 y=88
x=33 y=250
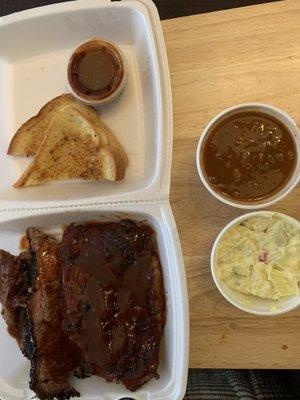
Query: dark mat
x=167 y=8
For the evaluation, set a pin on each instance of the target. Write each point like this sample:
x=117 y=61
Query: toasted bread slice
x=30 y=135
x=75 y=147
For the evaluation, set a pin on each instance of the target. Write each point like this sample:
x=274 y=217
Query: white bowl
x=249 y=303
x=276 y=113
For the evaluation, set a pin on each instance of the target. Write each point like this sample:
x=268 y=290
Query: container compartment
x=14 y=368
x=34 y=50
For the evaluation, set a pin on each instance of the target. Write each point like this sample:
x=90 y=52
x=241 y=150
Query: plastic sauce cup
x=97 y=72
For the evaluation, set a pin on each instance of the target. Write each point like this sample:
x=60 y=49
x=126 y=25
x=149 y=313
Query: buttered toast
x=76 y=145
x=30 y=135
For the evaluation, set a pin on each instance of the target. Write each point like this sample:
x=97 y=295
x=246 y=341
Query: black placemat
x=167 y=8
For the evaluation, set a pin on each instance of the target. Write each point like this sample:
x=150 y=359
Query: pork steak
x=113 y=299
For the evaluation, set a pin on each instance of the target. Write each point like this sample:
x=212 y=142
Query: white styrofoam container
x=34 y=48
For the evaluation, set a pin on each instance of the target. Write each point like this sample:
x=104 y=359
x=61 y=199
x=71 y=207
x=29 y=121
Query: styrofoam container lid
x=34 y=51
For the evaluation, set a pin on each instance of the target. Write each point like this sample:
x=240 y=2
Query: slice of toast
x=76 y=146
x=30 y=135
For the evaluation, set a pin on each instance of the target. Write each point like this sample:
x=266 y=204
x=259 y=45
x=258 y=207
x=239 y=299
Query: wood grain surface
x=218 y=60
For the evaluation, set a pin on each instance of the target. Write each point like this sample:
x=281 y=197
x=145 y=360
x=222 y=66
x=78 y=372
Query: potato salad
x=261 y=256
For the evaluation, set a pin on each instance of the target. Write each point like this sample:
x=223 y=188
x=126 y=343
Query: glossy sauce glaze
x=249 y=156
x=96 y=69
x=24 y=243
x=114 y=298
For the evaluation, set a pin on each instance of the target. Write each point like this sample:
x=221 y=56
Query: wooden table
x=218 y=60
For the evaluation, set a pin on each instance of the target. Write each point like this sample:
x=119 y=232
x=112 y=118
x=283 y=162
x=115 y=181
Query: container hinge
x=88 y=205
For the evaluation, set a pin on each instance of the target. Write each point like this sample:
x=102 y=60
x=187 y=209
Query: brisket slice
x=30 y=298
x=45 y=344
x=14 y=291
x=113 y=299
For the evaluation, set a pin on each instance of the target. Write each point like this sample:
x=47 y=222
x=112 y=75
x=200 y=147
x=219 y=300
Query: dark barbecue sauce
x=113 y=294
x=96 y=70
x=24 y=243
x=249 y=156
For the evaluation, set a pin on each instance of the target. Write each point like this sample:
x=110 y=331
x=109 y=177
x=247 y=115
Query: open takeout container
x=34 y=49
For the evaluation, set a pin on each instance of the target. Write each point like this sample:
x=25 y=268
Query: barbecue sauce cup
x=97 y=72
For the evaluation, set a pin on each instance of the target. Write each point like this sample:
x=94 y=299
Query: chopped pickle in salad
x=261 y=256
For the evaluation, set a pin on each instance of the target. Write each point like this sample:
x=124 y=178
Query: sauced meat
x=51 y=355
x=112 y=309
x=31 y=307
x=14 y=291
x=113 y=299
